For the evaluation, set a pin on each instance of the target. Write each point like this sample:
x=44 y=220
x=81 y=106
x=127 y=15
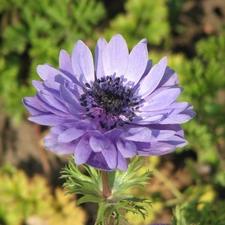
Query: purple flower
x=115 y=108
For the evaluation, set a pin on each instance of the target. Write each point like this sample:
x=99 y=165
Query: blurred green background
x=188 y=186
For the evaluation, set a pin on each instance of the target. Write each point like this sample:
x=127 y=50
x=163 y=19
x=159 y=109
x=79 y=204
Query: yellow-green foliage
x=203 y=207
x=22 y=198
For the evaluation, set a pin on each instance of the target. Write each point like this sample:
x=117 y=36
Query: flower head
x=111 y=109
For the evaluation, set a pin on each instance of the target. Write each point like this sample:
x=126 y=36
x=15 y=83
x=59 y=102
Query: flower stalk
x=106 y=190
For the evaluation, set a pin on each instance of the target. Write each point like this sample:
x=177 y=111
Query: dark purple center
x=108 y=101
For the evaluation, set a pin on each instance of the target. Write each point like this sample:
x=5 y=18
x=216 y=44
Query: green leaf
x=89 y=198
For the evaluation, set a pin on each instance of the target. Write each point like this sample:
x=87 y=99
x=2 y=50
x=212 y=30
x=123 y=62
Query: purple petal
x=38 y=85
x=50 y=99
x=169 y=79
x=160 y=115
x=179 y=118
x=162 y=135
x=110 y=155
x=47 y=119
x=53 y=86
x=148 y=120
x=49 y=107
x=101 y=44
x=142 y=134
x=47 y=72
x=82 y=63
x=152 y=79
x=148 y=68
x=137 y=63
x=161 y=147
x=176 y=113
x=83 y=150
x=65 y=63
x=51 y=143
x=71 y=134
x=115 y=56
x=70 y=98
x=98 y=142
x=33 y=105
x=122 y=162
x=127 y=148
x=161 y=100
x=97 y=160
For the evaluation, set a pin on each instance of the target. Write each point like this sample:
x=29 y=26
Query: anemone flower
x=110 y=109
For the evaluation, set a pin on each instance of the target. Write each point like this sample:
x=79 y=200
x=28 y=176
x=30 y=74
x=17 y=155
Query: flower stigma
x=109 y=102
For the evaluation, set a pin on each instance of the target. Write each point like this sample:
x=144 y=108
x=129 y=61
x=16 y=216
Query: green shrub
x=142 y=19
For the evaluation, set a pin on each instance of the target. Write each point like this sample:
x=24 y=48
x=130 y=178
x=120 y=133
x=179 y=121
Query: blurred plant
x=142 y=18
x=202 y=209
x=204 y=84
x=31 y=33
x=174 y=10
x=22 y=198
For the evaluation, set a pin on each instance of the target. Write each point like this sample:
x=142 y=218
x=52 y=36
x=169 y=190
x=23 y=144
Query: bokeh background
x=188 y=186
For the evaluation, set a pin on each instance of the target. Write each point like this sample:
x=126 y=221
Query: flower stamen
x=110 y=102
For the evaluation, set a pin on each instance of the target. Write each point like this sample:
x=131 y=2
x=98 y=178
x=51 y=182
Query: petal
x=148 y=68
x=141 y=134
x=169 y=79
x=152 y=79
x=51 y=143
x=148 y=120
x=110 y=155
x=71 y=99
x=98 y=142
x=147 y=117
x=33 y=105
x=161 y=100
x=47 y=72
x=179 y=118
x=47 y=119
x=101 y=44
x=177 y=141
x=97 y=160
x=122 y=162
x=162 y=135
x=82 y=63
x=71 y=134
x=83 y=150
x=138 y=60
x=44 y=100
x=158 y=148
x=162 y=148
x=38 y=85
x=127 y=148
x=65 y=65
x=65 y=61
x=55 y=103
x=53 y=86
x=115 y=56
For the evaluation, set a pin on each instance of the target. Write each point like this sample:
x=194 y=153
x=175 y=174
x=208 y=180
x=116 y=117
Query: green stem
x=106 y=191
